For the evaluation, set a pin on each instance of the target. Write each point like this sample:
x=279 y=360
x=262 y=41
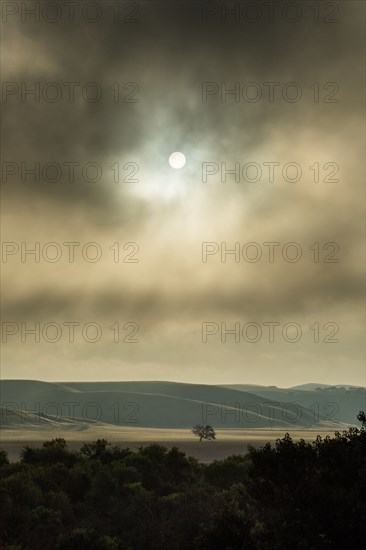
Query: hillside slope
x=156 y=404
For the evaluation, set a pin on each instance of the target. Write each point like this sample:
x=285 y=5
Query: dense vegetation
x=289 y=496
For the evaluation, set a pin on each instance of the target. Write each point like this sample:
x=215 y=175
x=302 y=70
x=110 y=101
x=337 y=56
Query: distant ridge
x=313 y=386
x=161 y=404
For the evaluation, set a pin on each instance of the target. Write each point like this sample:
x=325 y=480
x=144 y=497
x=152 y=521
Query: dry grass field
x=228 y=442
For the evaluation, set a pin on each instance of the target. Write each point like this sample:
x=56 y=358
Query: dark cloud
x=169 y=53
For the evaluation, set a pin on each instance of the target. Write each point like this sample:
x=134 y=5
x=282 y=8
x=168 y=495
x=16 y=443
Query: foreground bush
x=286 y=496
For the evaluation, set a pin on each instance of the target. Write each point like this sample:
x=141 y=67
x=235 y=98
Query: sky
x=267 y=105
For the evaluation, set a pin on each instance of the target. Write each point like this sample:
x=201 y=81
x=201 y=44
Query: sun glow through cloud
x=177 y=160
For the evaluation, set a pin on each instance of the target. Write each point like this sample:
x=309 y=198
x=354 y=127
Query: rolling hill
x=159 y=404
x=340 y=403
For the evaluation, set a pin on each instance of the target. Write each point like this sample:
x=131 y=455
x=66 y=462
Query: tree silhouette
x=284 y=495
x=204 y=432
x=95 y=450
x=362 y=418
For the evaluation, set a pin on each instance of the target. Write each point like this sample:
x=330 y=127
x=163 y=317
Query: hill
x=340 y=403
x=162 y=404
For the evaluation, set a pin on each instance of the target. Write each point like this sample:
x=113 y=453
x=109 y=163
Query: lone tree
x=204 y=432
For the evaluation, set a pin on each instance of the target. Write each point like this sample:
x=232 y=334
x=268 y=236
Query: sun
x=177 y=160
